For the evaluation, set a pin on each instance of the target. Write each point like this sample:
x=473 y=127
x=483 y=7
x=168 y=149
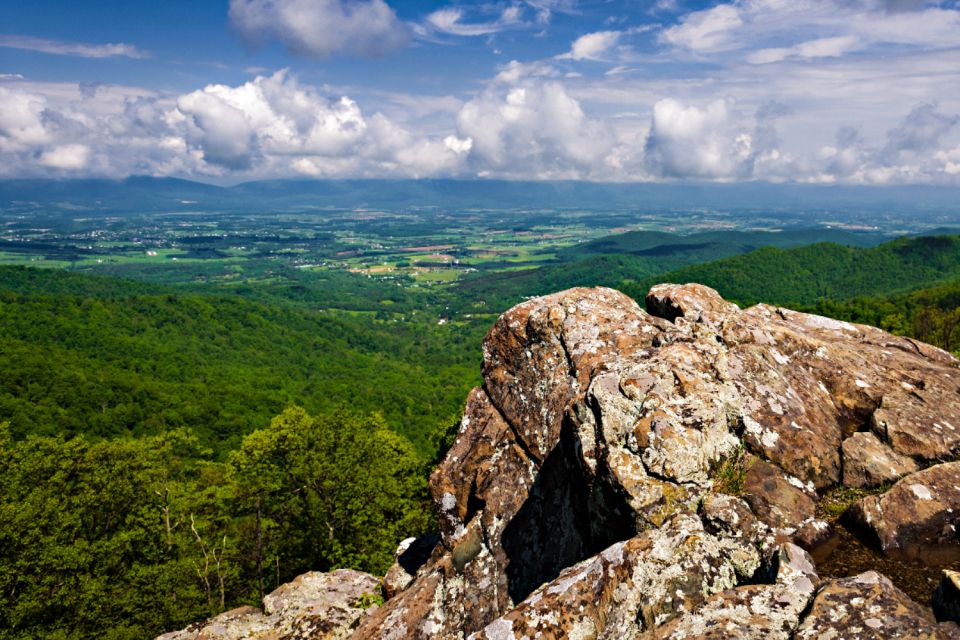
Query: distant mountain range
x=144 y=194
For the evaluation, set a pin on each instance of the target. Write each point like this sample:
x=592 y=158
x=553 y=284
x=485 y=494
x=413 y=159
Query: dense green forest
x=638 y=256
x=821 y=271
x=128 y=537
x=107 y=361
x=170 y=450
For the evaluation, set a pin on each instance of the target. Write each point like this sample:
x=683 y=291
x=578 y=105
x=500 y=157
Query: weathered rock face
x=868 y=607
x=318 y=606
x=917 y=513
x=584 y=473
x=640 y=474
x=579 y=497
x=868 y=462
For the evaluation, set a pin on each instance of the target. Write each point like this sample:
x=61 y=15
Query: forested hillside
x=94 y=356
x=637 y=256
x=804 y=275
x=128 y=537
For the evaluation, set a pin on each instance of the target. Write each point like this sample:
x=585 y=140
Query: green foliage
x=335 y=491
x=367 y=600
x=83 y=545
x=822 y=271
x=837 y=500
x=730 y=476
x=127 y=538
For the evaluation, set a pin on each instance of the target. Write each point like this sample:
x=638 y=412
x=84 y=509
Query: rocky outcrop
x=581 y=495
x=315 y=606
x=658 y=473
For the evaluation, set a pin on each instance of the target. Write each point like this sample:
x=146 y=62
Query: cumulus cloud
x=524 y=124
x=529 y=121
x=21 y=120
x=913 y=151
x=271 y=126
x=592 y=46
x=717 y=142
x=691 y=142
x=70 y=157
x=922 y=130
x=77 y=49
x=321 y=27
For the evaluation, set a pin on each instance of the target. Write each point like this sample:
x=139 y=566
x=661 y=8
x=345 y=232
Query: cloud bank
x=825 y=91
x=527 y=123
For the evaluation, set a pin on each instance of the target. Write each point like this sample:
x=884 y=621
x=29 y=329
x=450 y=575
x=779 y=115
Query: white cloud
x=514 y=71
x=21 y=120
x=69 y=157
x=77 y=49
x=529 y=121
x=690 y=142
x=706 y=31
x=321 y=27
x=819 y=48
x=592 y=46
x=812 y=29
x=268 y=127
x=534 y=128
x=451 y=21
x=922 y=130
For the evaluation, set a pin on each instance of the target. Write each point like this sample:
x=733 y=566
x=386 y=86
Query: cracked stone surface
x=868 y=607
x=919 y=512
x=868 y=462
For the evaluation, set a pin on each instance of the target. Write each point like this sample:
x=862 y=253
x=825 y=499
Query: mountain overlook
x=690 y=470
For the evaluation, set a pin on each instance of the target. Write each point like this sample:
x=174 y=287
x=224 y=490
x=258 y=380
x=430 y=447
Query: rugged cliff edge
x=658 y=473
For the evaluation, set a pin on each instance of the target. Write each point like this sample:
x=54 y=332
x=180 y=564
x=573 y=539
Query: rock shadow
x=568 y=516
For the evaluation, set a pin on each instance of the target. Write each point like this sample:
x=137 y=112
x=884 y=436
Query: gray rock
x=867 y=607
x=319 y=606
x=753 y=612
x=868 y=463
x=920 y=511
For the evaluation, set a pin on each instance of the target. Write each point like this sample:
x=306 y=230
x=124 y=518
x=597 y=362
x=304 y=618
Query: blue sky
x=821 y=91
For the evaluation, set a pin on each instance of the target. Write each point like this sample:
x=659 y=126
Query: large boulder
x=318 y=606
x=868 y=607
x=600 y=426
x=648 y=473
x=919 y=512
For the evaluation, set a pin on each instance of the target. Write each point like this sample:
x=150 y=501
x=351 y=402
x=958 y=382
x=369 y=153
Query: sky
x=812 y=91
